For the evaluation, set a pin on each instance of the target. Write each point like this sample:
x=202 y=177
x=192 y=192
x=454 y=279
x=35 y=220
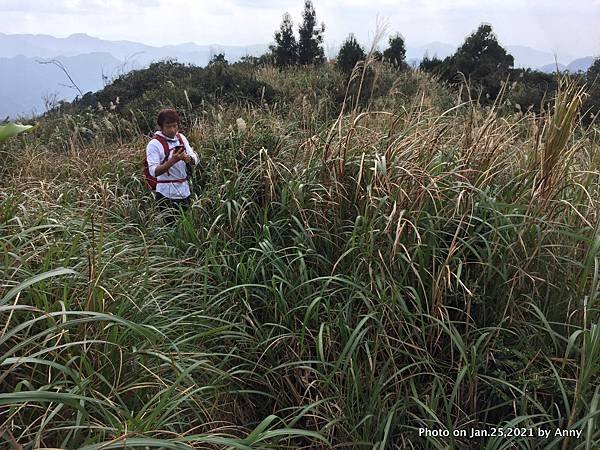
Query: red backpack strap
x=180 y=140
x=165 y=145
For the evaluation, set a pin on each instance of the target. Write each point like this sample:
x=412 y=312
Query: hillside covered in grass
x=370 y=260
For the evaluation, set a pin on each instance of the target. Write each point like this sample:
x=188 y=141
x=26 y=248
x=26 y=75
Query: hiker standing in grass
x=167 y=156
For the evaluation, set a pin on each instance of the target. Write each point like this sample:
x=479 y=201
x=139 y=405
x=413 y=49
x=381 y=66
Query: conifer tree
x=310 y=42
x=395 y=54
x=285 y=50
x=350 y=53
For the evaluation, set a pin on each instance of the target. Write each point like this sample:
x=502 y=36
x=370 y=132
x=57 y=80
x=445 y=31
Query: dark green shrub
x=139 y=94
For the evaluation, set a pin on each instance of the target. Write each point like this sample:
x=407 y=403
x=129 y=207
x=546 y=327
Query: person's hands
x=179 y=154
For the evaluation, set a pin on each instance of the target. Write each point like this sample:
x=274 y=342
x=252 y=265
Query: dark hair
x=167 y=116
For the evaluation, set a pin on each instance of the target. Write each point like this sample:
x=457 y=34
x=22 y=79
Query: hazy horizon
x=568 y=30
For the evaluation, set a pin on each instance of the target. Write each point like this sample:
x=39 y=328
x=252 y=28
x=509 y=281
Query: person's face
x=170 y=129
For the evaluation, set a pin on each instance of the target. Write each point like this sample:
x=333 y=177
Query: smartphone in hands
x=179 y=151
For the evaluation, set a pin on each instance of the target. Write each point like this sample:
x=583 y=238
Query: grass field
x=342 y=280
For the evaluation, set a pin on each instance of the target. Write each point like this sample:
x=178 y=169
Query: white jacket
x=155 y=154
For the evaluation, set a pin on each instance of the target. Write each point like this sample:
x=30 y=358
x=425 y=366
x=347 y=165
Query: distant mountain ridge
x=87 y=59
x=91 y=61
x=553 y=67
x=575 y=66
x=30 y=83
x=42 y=45
x=581 y=64
x=533 y=58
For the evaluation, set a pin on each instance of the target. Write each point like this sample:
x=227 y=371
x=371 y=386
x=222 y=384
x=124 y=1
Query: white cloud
x=552 y=25
x=74 y=6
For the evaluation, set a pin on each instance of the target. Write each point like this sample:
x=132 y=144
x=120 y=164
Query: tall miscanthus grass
x=341 y=286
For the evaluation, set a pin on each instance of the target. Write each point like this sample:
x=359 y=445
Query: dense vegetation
x=371 y=252
x=346 y=275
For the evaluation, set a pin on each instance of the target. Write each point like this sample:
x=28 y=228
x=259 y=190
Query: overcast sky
x=562 y=26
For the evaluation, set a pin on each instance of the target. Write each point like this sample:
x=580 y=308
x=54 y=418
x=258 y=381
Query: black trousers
x=171 y=207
